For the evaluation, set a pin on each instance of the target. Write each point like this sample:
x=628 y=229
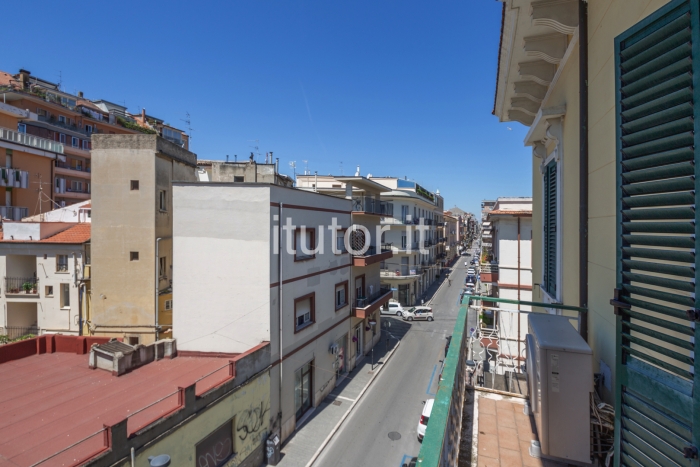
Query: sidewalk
x=307 y=442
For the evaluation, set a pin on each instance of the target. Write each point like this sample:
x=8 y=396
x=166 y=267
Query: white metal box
x=560 y=381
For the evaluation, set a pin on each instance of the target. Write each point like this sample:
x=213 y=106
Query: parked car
x=424 y=418
x=471 y=272
x=418 y=313
x=470 y=291
x=393 y=308
x=411 y=462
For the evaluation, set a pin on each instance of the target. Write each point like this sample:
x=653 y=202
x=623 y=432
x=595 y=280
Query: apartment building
x=605 y=90
x=132 y=232
x=45 y=271
x=412 y=233
x=450 y=238
x=248 y=171
x=45 y=142
x=367 y=250
x=259 y=262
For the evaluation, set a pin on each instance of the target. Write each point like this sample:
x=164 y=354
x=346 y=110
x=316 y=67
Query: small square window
x=134 y=255
x=134 y=185
x=48 y=290
x=133 y=340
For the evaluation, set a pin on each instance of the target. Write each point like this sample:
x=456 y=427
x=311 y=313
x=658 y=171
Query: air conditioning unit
x=560 y=382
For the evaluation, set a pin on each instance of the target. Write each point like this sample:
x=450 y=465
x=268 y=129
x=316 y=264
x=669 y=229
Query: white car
x=394 y=308
x=418 y=313
x=471 y=272
x=424 y=418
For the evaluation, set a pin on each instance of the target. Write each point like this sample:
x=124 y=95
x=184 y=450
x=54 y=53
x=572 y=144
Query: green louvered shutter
x=550 y=228
x=657 y=408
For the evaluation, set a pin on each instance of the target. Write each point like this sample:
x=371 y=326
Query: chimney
x=23 y=78
x=277 y=165
x=80 y=94
x=227 y=158
x=143 y=114
x=235 y=158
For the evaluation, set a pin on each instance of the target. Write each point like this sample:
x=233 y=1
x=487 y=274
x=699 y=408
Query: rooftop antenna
x=40 y=190
x=60 y=79
x=306 y=167
x=189 y=125
x=293 y=165
x=257 y=149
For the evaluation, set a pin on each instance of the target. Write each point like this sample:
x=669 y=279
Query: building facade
x=132 y=234
x=249 y=171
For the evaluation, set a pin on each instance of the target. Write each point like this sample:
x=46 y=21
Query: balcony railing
x=22 y=285
x=372 y=205
x=79 y=168
x=15 y=332
x=14 y=178
x=14 y=213
x=30 y=140
x=402 y=271
x=372 y=250
x=362 y=302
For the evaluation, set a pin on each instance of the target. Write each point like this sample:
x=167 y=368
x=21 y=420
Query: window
x=162 y=264
x=172 y=135
x=21 y=128
x=304 y=311
x=304 y=239
x=303 y=389
x=340 y=241
x=134 y=185
x=61 y=119
x=42 y=112
x=86 y=145
x=48 y=290
x=216 y=449
x=61 y=263
x=133 y=255
x=550 y=228
x=162 y=201
x=65 y=295
x=75 y=141
x=62 y=138
x=168 y=305
x=88 y=128
x=404 y=213
x=341 y=295
x=238 y=179
x=76 y=186
x=403 y=241
x=133 y=340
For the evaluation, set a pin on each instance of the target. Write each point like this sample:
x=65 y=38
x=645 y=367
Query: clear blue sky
x=401 y=88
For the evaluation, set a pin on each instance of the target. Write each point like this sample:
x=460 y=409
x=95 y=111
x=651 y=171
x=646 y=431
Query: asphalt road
x=394 y=402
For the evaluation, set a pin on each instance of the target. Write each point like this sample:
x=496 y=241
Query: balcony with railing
x=14 y=178
x=488 y=272
x=14 y=213
x=373 y=255
x=402 y=273
x=78 y=170
x=31 y=141
x=21 y=286
x=369 y=205
x=366 y=305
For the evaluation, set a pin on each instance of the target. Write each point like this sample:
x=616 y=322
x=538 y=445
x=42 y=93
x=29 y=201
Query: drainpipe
x=157 y=280
x=82 y=290
x=583 y=165
x=279 y=299
x=519 y=288
x=316 y=180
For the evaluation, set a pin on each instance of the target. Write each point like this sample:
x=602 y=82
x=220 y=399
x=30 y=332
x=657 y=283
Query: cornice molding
x=539 y=71
x=548 y=47
x=531 y=90
x=560 y=15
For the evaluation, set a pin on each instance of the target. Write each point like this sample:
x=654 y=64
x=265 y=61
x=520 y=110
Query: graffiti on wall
x=252 y=420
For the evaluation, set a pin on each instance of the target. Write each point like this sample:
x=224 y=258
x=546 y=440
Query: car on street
x=411 y=462
x=470 y=291
x=424 y=418
x=471 y=272
x=393 y=308
x=417 y=313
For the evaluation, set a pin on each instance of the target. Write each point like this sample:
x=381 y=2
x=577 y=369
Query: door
x=358 y=341
x=302 y=390
x=340 y=367
x=656 y=303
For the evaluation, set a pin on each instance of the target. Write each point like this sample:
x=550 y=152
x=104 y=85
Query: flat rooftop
x=49 y=402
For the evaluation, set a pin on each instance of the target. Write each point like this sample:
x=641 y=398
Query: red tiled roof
x=80 y=233
x=5 y=78
x=87 y=206
x=50 y=401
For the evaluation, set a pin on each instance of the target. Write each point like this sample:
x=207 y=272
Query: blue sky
x=401 y=88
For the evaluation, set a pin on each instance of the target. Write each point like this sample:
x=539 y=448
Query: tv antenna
x=60 y=79
x=257 y=149
x=40 y=190
x=189 y=125
x=306 y=167
x=293 y=165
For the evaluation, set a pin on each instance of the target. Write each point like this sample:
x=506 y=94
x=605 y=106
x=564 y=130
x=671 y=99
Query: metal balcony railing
x=22 y=285
x=362 y=302
x=372 y=205
x=14 y=213
x=79 y=168
x=30 y=140
x=15 y=332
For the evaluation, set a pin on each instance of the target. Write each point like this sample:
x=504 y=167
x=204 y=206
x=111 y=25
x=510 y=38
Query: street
x=381 y=430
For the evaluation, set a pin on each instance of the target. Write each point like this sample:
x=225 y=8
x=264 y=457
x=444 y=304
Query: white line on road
x=344 y=398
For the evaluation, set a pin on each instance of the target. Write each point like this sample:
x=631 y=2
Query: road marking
x=430 y=384
x=344 y=398
x=404 y=459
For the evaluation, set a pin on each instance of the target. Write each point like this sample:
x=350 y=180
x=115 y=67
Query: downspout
x=157 y=280
x=280 y=296
x=583 y=165
x=519 y=289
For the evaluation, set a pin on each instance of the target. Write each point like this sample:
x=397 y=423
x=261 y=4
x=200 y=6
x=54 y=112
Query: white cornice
x=507 y=44
x=539 y=124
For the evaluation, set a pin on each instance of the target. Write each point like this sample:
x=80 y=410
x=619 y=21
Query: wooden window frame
x=364 y=285
x=312 y=307
x=345 y=284
x=312 y=246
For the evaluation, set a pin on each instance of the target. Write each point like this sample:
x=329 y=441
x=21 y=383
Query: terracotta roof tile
x=80 y=233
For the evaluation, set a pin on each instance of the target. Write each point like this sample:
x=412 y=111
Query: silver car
x=416 y=313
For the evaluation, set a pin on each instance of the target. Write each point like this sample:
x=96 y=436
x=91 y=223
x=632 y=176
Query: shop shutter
x=657 y=407
x=550 y=228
